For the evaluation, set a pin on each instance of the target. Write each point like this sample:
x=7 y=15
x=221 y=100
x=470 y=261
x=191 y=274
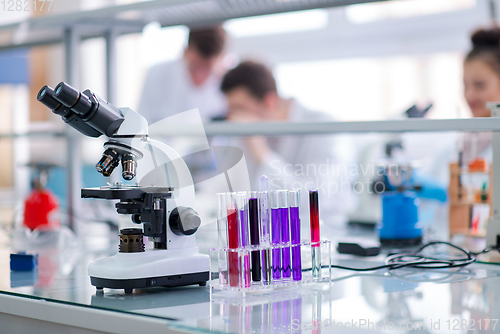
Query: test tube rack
x=260 y=245
x=242 y=282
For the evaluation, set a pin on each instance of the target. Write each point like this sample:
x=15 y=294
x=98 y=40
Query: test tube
x=222 y=235
x=253 y=217
x=265 y=239
x=263 y=183
x=232 y=232
x=276 y=233
x=295 y=232
x=315 y=239
x=285 y=234
x=242 y=205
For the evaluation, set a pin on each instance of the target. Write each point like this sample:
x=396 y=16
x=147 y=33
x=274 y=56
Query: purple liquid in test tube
x=295 y=229
x=276 y=233
x=285 y=234
x=244 y=237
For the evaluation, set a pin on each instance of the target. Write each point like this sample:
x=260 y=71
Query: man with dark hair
x=304 y=162
x=190 y=82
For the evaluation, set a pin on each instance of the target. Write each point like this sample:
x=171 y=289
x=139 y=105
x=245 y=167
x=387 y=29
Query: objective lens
x=108 y=162
x=129 y=166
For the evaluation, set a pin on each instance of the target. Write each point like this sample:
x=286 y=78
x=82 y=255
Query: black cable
x=419 y=261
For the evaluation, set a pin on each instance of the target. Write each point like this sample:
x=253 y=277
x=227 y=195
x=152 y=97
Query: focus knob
x=184 y=221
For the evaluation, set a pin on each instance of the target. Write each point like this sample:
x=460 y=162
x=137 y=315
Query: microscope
x=161 y=199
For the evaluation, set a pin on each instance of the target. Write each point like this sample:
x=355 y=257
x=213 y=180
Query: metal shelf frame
x=326 y=128
x=112 y=22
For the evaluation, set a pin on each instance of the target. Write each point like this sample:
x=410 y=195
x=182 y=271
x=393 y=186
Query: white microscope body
x=161 y=200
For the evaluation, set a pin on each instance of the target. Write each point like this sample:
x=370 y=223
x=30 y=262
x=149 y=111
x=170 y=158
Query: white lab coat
x=306 y=162
x=168 y=90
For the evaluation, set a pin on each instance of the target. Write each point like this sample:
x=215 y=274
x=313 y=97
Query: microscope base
x=153 y=268
x=140 y=283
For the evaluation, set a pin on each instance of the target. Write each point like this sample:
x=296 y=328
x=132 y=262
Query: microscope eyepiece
x=46 y=97
x=42 y=92
x=71 y=98
x=85 y=112
x=66 y=94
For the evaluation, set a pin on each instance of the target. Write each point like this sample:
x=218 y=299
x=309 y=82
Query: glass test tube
x=295 y=232
x=315 y=238
x=222 y=235
x=232 y=232
x=264 y=183
x=285 y=234
x=265 y=239
x=244 y=240
x=276 y=233
x=253 y=217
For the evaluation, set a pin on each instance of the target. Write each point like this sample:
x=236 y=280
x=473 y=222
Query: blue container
x=23 y=262
x=400 y=217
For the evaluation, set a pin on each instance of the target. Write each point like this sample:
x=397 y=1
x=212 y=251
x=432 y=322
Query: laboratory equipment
x=243 y=235
x=401 y=192
x=232 y=232
x=295 y=234
x=276 y=233
x=41 y=205
x=222 y=237
x=470 y=195
x=253 y=217
x=265 y=228
x=285 y=234
x=161 y=199
x=315 y=239
x=400 y=223
x=266 y=235
x=23 y=262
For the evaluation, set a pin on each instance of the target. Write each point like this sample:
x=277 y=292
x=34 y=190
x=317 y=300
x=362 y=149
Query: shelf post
x=493 y=227
x=111 y=72
x=73 y=154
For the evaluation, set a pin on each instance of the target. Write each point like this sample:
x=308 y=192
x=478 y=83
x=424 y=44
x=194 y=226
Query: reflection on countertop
x=432 y=301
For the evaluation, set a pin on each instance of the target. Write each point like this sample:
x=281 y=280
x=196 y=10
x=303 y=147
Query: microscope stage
x=126 y=192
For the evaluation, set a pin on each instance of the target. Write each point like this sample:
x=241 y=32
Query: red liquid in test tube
x=232 y=232
x=315 y=237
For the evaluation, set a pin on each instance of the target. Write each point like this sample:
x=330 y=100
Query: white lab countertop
x=58 y=297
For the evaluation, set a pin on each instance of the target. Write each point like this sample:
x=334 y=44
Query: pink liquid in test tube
x=315 y=238
x=232 y=232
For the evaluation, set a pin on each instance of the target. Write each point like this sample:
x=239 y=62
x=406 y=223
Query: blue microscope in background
x=401 y=189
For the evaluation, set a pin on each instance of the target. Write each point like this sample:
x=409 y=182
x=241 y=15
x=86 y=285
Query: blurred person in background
x=306 y=162
x=481 y=85
x=190 y=82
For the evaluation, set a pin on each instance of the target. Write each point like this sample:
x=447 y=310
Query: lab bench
x=58 y=298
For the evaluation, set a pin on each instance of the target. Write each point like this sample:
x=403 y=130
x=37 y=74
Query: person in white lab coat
x=481 y=85
x=305 y=162
x=187 y=83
